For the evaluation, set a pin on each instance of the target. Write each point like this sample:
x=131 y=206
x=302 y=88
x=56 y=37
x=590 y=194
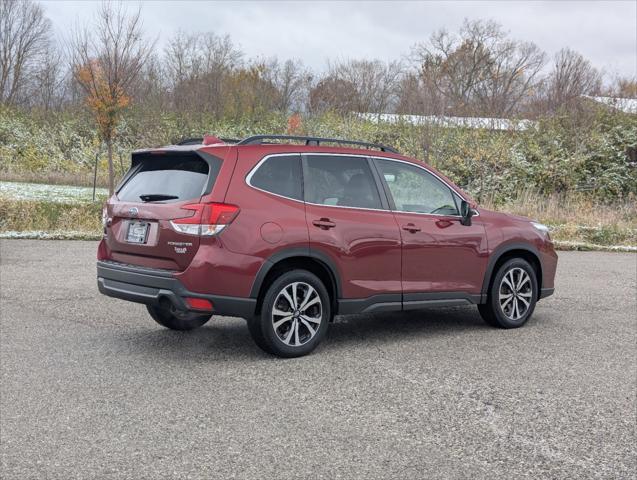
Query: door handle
x=323 y=223
x=411 y=228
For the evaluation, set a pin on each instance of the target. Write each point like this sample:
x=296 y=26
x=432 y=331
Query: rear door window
x=280 y=175
x=340 y=181
x=169 y=177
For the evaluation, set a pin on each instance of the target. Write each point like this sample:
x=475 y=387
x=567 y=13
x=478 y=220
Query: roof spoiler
x=206 y=140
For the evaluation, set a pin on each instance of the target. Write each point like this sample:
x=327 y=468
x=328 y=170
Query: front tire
x=512 y=295
x=177 y=320
x=294 y=316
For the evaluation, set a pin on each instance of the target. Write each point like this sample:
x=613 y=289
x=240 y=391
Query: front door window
x=416 y=190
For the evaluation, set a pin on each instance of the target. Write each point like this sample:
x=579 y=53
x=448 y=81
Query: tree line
x=110 y=64
x=480 y=70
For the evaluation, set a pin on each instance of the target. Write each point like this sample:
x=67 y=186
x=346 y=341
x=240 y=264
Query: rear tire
x=175 y=319
x=512 y=295
x=294 y=316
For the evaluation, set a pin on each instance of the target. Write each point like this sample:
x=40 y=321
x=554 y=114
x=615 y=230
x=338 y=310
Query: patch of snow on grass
x=57 y=235
x=50 y=193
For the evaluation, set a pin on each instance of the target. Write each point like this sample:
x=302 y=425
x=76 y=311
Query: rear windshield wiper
x=156 y=197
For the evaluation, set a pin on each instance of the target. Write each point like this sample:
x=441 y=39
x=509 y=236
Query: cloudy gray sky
x=603 y=31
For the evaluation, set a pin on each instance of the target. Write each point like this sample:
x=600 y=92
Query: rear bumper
x=151 y=286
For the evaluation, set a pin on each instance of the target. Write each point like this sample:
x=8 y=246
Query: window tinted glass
x=280 y=175
x=342 y=181
x=415 y=190
x=168 y=178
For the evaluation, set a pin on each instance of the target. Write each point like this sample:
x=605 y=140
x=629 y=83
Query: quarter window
x=416 y=190
x=280 y=175
x=340 y=181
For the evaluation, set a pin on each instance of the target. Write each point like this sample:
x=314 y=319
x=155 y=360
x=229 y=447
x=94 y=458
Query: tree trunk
x=111 y=175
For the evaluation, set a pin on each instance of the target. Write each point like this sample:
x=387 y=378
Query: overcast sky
x=603 y=31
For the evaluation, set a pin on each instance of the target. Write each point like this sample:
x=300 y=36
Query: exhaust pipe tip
x=167 y=303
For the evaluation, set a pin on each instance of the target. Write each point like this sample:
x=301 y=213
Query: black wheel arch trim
x=306 y=252
x=503 y=250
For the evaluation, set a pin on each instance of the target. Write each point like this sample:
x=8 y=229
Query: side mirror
x=466 y=212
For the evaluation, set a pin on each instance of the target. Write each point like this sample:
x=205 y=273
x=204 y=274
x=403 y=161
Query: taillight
x=105 y=220
x=102 y=251
x=208 y=219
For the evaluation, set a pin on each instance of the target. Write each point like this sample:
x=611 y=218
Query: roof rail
x=199 y=141
x=259 y=139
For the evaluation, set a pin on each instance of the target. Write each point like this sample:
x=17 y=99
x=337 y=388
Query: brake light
x=208 y=219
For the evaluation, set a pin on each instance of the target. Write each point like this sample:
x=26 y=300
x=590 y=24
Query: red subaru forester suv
x=287 y=232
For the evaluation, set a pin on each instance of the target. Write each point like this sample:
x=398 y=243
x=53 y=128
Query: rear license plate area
x=137 y=232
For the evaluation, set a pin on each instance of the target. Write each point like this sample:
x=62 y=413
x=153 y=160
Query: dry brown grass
x=26 y=215
x=575 y=217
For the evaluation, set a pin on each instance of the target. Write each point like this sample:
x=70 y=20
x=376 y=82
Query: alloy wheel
x=297 y=314
x=515 y=293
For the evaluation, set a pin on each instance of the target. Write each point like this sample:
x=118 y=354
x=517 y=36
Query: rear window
x=169 y=177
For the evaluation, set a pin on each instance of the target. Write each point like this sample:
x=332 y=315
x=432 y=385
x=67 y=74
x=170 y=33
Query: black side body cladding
x=409 y=301
x=413 y=301
x=378 y=303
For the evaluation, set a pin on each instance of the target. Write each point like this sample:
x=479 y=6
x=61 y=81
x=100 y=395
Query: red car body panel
x=443 y=255
x=369 y=252
x=363 y=244
x=506 y=231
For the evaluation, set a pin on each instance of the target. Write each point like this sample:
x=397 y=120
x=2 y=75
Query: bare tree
x=106 y=61
x=48 y=85
x=151 y=91
x=219 y=53
x=196 y=65
x=416 y=95
x=622 y=87
x=480 y=71
x=376 y=82
x=24 y=35
x=292 y=82
x=358 y=85
x=181 y=58
x=572 y=76
x=249 y=91
x=333 y=93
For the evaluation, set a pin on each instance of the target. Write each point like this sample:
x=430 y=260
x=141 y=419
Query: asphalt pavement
x=91 y=387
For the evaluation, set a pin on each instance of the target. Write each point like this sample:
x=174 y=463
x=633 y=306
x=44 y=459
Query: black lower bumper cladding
x=150 y=286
